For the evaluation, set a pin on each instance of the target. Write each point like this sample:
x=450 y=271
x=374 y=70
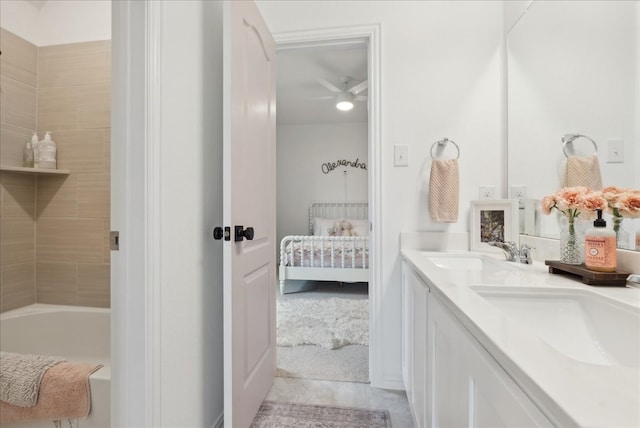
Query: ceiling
x=299 y=95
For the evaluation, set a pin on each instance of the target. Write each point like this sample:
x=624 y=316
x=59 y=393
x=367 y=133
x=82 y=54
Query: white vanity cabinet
x=451 y=380
x=414 y=341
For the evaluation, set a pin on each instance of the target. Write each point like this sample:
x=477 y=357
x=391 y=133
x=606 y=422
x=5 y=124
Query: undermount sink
x=466 y=262
x=580 y=324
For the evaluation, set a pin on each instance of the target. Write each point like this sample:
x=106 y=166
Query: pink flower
x=548 y=202
x=591 y=202
x=629 y=204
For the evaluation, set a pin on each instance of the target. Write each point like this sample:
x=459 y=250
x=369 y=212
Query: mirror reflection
x=573 y=69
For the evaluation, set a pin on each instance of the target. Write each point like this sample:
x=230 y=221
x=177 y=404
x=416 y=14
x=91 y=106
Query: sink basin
x=466 y=262
x=580 y=324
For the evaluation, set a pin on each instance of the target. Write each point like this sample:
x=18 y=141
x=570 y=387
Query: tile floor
x=347 y=394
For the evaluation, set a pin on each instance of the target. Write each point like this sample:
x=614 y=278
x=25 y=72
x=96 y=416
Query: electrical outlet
x=518 y=192
x=487 y=192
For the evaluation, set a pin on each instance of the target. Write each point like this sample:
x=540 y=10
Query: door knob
x=243 y=233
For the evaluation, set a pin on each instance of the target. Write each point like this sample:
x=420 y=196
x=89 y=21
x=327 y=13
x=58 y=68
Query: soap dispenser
x=28 y=152
x=47 y=153
x=600 y=247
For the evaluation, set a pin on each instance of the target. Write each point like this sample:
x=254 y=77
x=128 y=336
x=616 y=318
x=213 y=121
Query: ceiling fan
x=347 y=95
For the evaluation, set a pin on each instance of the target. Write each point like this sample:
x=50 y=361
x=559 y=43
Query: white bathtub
x=75 y=333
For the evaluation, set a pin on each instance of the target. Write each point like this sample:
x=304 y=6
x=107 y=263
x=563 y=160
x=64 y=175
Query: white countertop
x=573 y=392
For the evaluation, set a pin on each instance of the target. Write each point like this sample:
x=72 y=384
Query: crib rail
x=325 y=251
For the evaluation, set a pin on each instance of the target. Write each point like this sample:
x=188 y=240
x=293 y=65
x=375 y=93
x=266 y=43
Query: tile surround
x=55 y=229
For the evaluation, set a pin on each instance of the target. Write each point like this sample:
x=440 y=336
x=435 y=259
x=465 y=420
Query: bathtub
x=75 y=333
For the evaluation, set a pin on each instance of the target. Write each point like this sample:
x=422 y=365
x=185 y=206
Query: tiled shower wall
x=69 y=214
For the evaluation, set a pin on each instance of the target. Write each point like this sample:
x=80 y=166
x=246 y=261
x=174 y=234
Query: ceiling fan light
x=344 y=101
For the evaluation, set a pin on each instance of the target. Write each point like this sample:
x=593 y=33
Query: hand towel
x=444 y=191
x=64 y=394
x=583 y=171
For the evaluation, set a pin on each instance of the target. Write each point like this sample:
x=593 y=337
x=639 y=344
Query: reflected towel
x=64 y=394
x=583 y=171
x=444 y=191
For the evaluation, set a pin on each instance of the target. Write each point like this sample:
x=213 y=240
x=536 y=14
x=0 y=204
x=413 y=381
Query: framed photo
x=493 y=220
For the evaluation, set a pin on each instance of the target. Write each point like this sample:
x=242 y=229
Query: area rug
x=330 y=323
x=289 y=415
x=347 y=364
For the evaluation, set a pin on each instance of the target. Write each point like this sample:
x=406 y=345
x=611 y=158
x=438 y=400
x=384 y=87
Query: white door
x=249 y=201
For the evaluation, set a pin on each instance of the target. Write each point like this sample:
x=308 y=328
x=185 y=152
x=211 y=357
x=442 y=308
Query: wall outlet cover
x=518 y=192
x=487 y=193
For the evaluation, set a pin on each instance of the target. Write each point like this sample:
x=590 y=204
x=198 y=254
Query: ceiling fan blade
x=356 y=89
x=329 y=86
x=361 y=98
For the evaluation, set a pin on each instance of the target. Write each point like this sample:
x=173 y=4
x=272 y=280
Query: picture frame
x=492 y=220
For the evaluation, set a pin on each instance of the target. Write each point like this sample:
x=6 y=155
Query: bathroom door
x=249 y=201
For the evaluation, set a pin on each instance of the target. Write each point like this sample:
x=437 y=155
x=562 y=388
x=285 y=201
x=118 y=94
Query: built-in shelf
x=35 y=170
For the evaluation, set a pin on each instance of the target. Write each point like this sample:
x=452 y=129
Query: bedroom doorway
x=323 y=156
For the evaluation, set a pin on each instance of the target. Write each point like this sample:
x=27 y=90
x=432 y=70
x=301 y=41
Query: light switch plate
x=401 y=155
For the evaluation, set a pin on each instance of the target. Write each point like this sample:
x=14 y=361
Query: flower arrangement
x=575 y=203
x=622 y=202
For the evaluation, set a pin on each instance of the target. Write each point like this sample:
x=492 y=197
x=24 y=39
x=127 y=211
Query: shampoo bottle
x=27 y=154
x=600 y=247
x=34 y=145
x=47 y=153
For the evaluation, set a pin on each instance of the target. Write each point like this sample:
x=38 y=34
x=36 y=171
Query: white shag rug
x=330 y=323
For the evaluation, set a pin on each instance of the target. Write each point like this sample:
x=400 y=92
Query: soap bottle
x=47 y=153
x=34 y=145
x=600 y=247
x=27 y=153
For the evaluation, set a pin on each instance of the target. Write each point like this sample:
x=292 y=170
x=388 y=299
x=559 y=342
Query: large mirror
x=573 y=67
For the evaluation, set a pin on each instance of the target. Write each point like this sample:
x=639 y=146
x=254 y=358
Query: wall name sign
x=330 y=166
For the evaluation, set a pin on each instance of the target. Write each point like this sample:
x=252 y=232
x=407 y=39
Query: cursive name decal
x=330 y=166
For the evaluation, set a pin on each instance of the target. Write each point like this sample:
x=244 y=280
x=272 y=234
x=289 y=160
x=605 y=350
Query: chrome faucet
x=512 y=253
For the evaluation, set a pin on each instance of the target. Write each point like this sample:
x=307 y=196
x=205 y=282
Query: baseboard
x=219 y=423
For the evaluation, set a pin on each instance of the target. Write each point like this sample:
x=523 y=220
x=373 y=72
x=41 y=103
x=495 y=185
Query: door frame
x=369 y=35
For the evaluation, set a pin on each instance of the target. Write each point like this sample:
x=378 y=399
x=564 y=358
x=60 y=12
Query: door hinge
x=114 y=240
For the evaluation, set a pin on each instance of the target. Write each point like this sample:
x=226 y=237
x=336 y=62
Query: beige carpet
x=347 y=364
x=289 y=415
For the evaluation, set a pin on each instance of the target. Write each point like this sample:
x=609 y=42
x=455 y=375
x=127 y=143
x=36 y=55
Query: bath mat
x=289 y=415
x=331 y=323
x=21 y=375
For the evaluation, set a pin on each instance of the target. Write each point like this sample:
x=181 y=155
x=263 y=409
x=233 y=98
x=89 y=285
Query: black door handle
x=243 y=233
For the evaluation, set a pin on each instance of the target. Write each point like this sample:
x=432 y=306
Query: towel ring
x=442 y=143
x=570 y=138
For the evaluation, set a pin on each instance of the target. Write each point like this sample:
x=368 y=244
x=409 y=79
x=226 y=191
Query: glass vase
x=622 y=236
x=571 y=250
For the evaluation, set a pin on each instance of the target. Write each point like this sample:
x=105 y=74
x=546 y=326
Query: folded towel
x=64 y=394
x=583 y=171
x=443 y=191
x=20 y=377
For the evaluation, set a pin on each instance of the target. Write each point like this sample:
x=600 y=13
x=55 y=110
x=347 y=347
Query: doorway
x=343 y=58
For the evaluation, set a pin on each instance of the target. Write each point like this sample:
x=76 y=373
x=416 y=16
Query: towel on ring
x=583 y=171
x=444 y=191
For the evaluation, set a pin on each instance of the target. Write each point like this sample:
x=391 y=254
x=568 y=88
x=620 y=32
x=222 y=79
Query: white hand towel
x=583 y=171
x=444 y=191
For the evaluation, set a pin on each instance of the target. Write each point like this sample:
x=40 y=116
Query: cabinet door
x=495 y=400
x=446 y=371
x=407 y=331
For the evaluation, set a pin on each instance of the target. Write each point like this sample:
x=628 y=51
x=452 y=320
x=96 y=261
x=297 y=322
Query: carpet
x=331 y=323
x=347 y=364
x=289 y=415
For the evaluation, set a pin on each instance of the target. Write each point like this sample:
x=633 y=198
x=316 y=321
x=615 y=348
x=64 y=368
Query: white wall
x=301 y=151
x=57 y=21
x=441 y=76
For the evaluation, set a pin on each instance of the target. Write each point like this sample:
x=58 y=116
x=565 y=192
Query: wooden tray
x=589 y=277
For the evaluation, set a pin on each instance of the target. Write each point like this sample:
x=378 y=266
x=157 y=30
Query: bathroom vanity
x=488 y=342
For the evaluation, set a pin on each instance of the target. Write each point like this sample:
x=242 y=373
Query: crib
x=320 y=256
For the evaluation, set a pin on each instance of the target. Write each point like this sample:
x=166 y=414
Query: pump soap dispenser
x=47 y=153
x=600 y=247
